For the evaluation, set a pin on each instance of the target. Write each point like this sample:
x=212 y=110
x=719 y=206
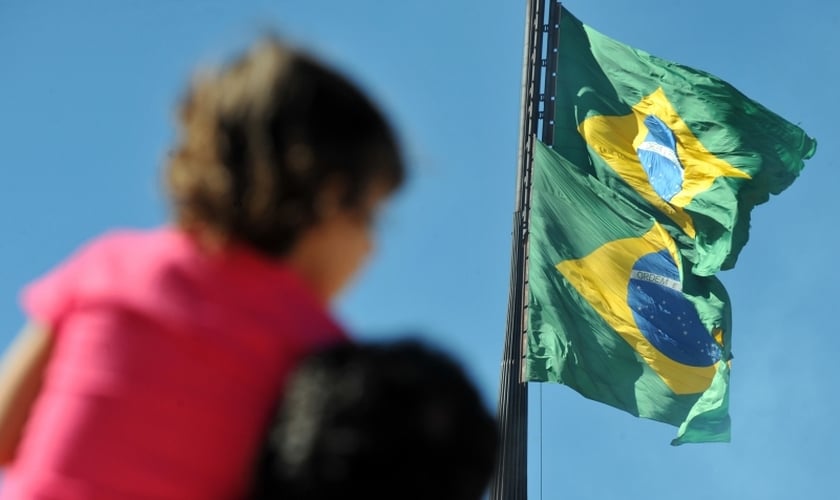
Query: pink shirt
x=167 y=366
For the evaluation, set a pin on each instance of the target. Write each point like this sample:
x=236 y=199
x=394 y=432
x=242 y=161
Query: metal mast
x=538 y=72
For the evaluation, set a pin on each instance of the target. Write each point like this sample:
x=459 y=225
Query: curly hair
x=264 y=138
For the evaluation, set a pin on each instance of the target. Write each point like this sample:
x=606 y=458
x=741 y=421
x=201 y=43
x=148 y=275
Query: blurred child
x=153 y=359
x=378 y=422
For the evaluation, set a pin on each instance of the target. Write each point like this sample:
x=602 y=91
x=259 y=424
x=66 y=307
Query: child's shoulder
x=128 y=245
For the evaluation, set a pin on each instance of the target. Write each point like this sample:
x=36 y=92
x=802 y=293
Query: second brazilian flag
x=614 y=311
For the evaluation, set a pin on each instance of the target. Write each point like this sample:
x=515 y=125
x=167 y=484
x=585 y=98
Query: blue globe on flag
x=666 y=318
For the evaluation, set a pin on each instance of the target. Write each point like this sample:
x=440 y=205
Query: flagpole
x=510 y=481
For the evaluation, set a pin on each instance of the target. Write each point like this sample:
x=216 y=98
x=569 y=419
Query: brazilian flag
x=643 y=196
x=614 y=310
x=682 y=144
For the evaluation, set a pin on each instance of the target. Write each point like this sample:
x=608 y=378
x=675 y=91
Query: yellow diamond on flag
x=655 y=130
x=634 y=284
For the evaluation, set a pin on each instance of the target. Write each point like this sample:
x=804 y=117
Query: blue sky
x=86 y=113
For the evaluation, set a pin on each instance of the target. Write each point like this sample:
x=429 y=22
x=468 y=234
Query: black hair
x=379 y=421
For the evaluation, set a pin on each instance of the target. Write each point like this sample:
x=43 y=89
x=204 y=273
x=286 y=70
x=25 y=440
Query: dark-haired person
x=152 y=359
x=378 y=422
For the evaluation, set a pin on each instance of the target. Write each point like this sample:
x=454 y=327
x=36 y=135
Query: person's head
x=281 y=154
x=378 y=421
